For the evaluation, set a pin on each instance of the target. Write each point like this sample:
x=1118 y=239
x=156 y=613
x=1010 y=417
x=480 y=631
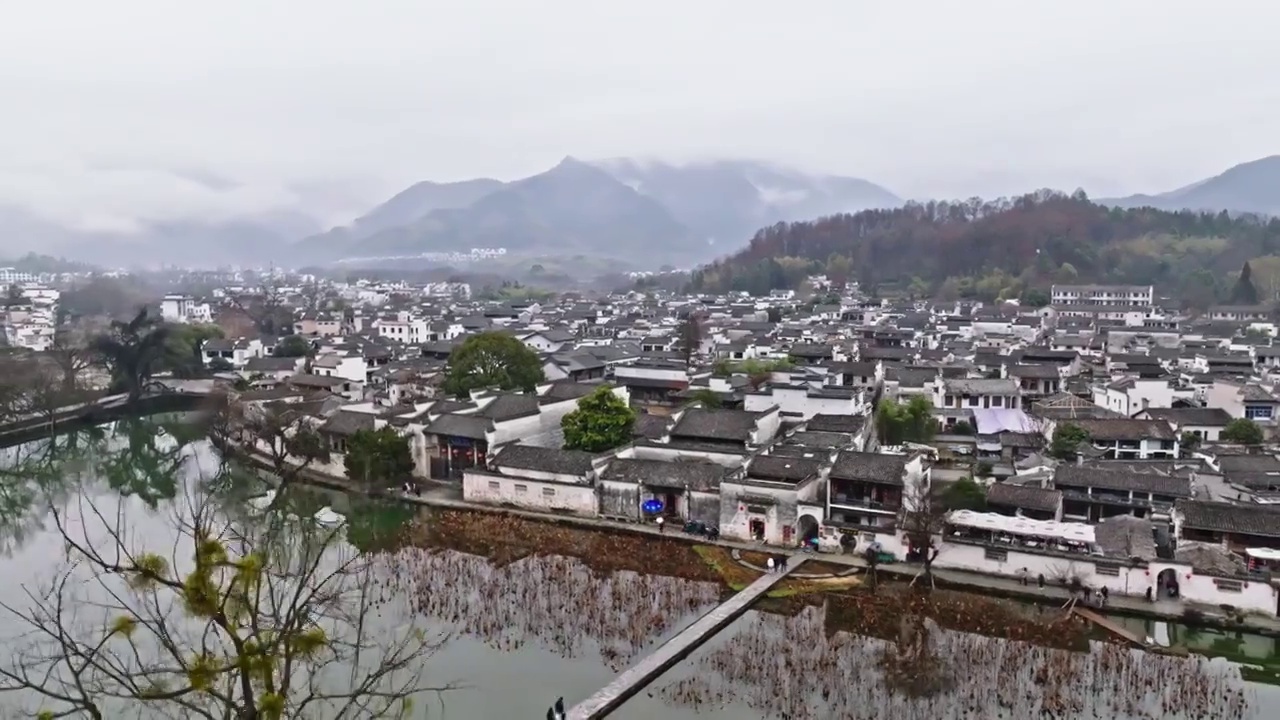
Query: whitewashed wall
x=1256 y=596
x=528 y=494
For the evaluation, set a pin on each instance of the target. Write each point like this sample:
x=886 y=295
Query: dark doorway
x=808 y=528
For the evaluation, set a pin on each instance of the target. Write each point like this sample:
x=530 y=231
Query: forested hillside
x=1009 y=248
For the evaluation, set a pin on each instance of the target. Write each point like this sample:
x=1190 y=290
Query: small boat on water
x=326 y=517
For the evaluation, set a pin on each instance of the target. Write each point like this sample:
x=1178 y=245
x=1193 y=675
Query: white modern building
x=1141 y=296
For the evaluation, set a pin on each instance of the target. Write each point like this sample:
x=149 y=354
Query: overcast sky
x=145 y=108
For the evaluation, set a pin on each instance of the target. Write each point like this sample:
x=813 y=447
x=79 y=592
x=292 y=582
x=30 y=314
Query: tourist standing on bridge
x=770 y=563
x=782 y=563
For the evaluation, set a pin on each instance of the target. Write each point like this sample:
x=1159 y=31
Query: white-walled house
x=237 y=352
x=536 y=478
x=349 y=366
x=777 y=500
x=184 y=309
x=1242 y=400
x=1118 y=554
x=955 y=399
x=802 y=401
x=1205 y=423
x=1126 y=438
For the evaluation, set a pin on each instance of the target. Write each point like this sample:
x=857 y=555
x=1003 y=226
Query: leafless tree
x=72 y=350
x=241 y=616
x=313 y=296
x=924 y=518
x=266 y=307
x=276 y=437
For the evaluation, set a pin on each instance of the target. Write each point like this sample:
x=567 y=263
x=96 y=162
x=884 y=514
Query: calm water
x=513 y=638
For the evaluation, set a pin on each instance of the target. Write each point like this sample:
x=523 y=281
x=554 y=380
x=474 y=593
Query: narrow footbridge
x=635 y=678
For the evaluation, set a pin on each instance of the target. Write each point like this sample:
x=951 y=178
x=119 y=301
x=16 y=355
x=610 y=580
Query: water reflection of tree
x=139 y=457
x=234 y=614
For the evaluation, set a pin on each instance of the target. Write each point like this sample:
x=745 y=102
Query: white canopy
x=995 y=522
x=1263 y=554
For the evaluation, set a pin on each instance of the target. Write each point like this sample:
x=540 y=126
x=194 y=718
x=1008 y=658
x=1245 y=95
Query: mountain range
x=1251 y=187
x=641 y=211
x=645 y=212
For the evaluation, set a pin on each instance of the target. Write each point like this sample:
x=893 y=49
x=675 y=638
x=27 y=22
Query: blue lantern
x=652 y=506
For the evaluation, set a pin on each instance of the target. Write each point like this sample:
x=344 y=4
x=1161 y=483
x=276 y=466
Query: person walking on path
x=770 y=563
x=782 y=563
x=661 y=524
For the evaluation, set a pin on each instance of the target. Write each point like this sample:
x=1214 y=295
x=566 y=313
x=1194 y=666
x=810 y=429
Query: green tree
x=379 y=458
x=965 y=494
x=493 y=359
x=709 y=399
x=1243 y=431
x=775 y=314
x=1188 y=442
x=1034 y=298
x=1244 y=293
x=133 y=351
x=184 y=348
x=913 y=421
x=601 y=422
x=962 y=427
x=1066 y=441
x=292 y=346
x=219 y=365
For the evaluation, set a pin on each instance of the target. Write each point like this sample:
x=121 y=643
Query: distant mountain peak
x=1250 y=187
x=642 y=209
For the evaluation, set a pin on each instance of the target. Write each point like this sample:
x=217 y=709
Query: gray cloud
x=126 y=111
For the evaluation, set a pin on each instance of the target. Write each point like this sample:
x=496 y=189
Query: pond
x=519 y=616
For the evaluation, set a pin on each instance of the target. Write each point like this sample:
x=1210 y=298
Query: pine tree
x=1244 y=293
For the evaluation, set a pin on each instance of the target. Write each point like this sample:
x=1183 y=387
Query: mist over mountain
x=1252 y=187
x=725 y=202
x=649 y=212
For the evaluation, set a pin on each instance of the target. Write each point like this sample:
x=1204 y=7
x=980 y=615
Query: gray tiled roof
x=1025 y=497
x=552 y=460
x=1126 y=429
x=1230 y=517
x=824 y=422
x=1072 y=476
x=783 y=469
x=699 y=423
x=348 y=423
x=870 y=467
x=1207 y=416
x=467 y=426
x=700 y=476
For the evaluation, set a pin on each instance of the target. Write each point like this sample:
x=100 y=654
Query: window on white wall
x=522 y=489
x=548 y=492
x=1232 y=586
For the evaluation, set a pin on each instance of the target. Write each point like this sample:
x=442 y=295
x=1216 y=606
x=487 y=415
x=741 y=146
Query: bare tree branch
x=242 y=616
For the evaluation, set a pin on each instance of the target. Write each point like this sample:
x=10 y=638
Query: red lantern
x=1188 y=576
